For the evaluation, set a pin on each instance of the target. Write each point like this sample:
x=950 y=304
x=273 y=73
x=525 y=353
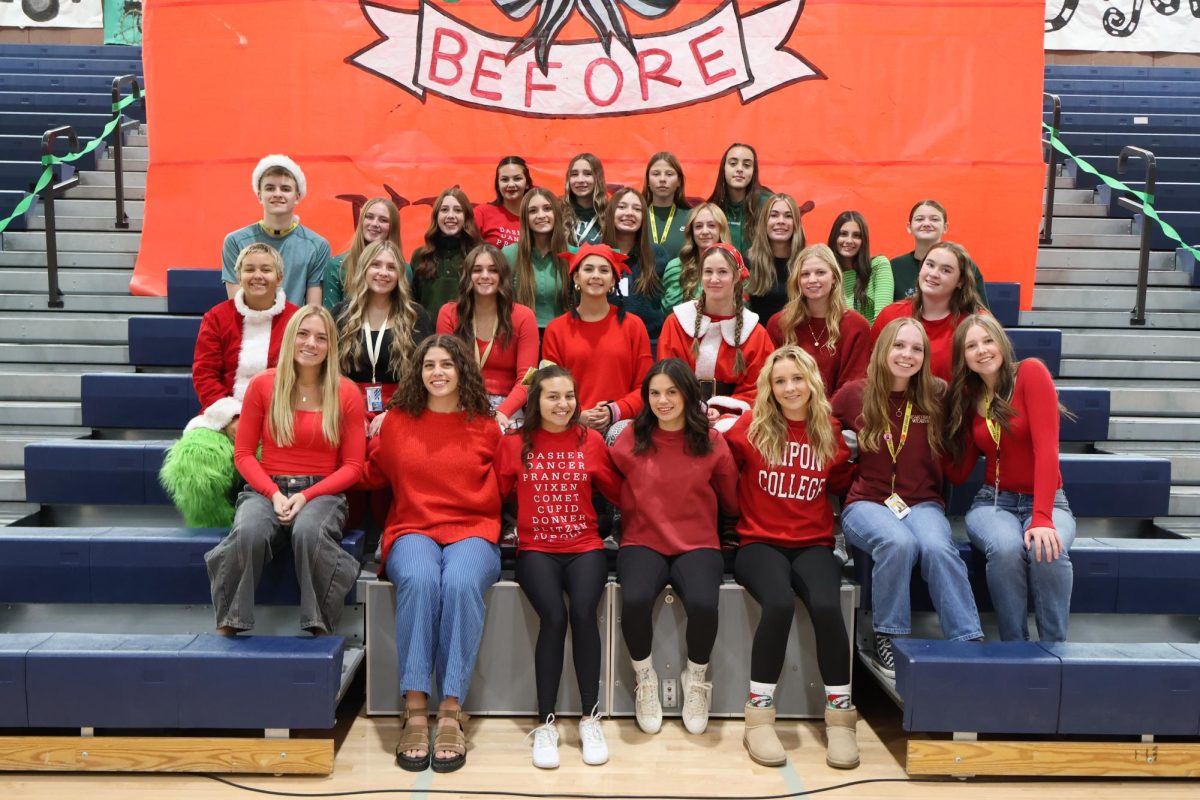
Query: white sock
x=837 y=696
x=698 y=670
x=762 y=694
x=644 y=668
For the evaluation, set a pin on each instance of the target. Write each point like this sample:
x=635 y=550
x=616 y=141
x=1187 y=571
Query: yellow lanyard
x=482 y=359
x=895 y=449
x=666 y=226
x=993 y=427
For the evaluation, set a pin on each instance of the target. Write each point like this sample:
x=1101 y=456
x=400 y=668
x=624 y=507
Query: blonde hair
x=352 y=268
x=768 y=430
x=760 y=259
x=689 y=254
x=924 y=391
x=795 y=313
x=402 y=315
x=282 y=411
x=258 y=247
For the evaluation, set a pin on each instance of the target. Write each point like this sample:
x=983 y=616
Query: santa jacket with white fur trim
x=718 y=349
x=235 y=343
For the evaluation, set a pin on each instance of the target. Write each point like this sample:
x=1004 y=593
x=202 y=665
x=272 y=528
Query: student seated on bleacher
x=279 y=185
x=309 y=422
x=238 y=339
x=927 y=224
x=1008 y=410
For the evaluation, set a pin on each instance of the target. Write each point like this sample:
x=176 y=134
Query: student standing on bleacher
x=539 y=267
x=308 y=420
x=894 y=510
x=379 y=220
x=776 y=239
x=437 y=263
x=792 y=459
x=279 y=185
x=866 y=279
x=238 y=339
x=439 y=548
x=1008 y=410
x=927 y=224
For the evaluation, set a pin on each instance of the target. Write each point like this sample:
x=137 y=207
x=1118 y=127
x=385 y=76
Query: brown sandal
x=451 y=739
x=414 y=737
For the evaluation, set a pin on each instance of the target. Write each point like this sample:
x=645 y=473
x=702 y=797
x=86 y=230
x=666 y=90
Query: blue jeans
x=439 y=609
x=1013 y=575
x=896 y=546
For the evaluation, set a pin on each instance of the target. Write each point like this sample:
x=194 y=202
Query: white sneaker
x=697 y=694
x=646 y=705
x=591 y=741
x=545 y=745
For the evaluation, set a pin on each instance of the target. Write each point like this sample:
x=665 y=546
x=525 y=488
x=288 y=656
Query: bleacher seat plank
x=1053 y=759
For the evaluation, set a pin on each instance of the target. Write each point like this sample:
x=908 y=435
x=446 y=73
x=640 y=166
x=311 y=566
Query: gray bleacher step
x=40 y=412
x=133 y=152
x=108 y=178
x=101 y=303
x=1061 y=182
x=1154 y=400
x=1158 y=429
x=12 y=486
x=1184 y=457
x=1144 y=369
x=1161 y=346
x=1084 y=208
x=70 y=281
x=1103 y=241
x=1068 y=197
x=136 y=140
x=14 y=512
x=76 y=260
x=1105 y=225
x=70 y=207
x=1109 y=277
x=77 y=353
x=37 y=328
x=109 y=193
x=1186 y=527
x=1162 y=320
x=1185 y=501
x=74 y=240
x=37 y=222
x=130 y=164
x=12 y=444
x=1073 y=258
x=1111 y=299
x=36 y=385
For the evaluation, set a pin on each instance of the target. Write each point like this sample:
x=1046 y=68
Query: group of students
x=443 y=423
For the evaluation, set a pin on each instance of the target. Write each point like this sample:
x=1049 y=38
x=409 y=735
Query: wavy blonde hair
x=768 y=430
x=351 y=270
x=282 y=411
x=402 y=315
x=760 y=259
x=795 y=313
x=689 y=254
x=924 y=391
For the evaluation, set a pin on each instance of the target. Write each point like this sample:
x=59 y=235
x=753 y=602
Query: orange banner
x=863 y=104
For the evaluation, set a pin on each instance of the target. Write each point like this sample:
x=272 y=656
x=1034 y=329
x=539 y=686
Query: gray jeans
x=324 y=570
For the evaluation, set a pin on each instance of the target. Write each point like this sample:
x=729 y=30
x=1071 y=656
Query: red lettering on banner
x=659 y=73
x=702 y=60
x=587 y=81
x=531 y=87
x=438 y=54
x=482 y=72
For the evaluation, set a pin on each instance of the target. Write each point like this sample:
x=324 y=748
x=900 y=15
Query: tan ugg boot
x=841 y=749
x=760 y=739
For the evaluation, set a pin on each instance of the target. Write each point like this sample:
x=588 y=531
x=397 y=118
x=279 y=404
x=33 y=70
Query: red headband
x=615 y=259
x=743 y=273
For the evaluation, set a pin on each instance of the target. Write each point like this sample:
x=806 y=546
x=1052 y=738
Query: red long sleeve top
x=717 y=350
x=848 y=359
x=509 y=361
x=919 y=474
x=607 y=358
x=309 y=454
x=1028 y=449
x=940 y=333
x=787 y=504
x=439 y=467
x=554 y=488
x=669 y=498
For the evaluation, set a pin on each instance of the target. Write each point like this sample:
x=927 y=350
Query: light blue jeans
x=439 y=609
x=896 y=546
x=1014 y=577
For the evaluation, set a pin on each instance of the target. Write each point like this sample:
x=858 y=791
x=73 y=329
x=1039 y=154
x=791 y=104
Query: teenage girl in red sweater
x=678 y=472
x=792 y=460
x=309 y=422
x=1008 y=410
x=553 y=466
x=499 y=221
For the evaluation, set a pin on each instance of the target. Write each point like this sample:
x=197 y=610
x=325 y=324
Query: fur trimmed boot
x=760 y=739
x=841 y=749
x=198 y=473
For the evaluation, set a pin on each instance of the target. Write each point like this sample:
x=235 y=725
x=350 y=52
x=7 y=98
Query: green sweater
x=677 y=235
x=879 y=288
x=672 y=288
x=433 y=293
x=904 y=278
x=547 y=284
x=333 y=291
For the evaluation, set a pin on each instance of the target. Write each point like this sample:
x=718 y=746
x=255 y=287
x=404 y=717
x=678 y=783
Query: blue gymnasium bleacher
x=1153 y=122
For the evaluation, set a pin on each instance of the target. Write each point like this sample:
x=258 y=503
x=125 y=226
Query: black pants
x=696 y=576
x=544 y=577
x=774 y=576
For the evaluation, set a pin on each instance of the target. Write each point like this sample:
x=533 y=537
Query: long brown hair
x=425 y=258
x=282 y=410
x=647 y=284
x=599 y=190
x=924 y=391
x=412 y=397
x=768 y=429
x=760 y=259
x=720 y=192
x=689 y=254
x=860 y=265
x=464 y=328
x=695 y=424
x=351 y=271
x=526 y=292
x=680 y=198
x=965 y=299
x=402 y=315
x=795 y=313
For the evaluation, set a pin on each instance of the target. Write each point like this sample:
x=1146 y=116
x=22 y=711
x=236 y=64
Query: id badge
x=375 y=398
x=897 y=506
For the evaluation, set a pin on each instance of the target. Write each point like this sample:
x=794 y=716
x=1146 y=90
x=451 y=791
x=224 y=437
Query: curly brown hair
x=412 y=396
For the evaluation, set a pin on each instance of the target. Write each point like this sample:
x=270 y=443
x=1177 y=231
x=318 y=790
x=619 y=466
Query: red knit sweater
x=309 y=453
x=439 y=467
x=554 y=488
x=788 y=504
x=940 y=333
x=1028 y=449
x=607 y=358
x=848 y=360
x=509 y=361
x=669 y=499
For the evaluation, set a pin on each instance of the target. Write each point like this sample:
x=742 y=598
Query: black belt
x=713 y=388
x=291 y=484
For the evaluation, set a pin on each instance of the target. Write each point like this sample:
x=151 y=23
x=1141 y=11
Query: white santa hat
x=283 y=162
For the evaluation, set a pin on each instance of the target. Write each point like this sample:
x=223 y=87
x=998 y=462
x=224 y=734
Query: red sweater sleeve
x=447 y=318
x=755 y=352
x=374 y=471
x=507 y=464
x=604 y=474
x=551 y=348
x=673 y=343
x=249 y=433
x=352 y=444
x=208 y=362
x=856 y=347
x=724 y=477
x=1037 y=398
x=639 y=347
x=841 y=469
x=525 y=334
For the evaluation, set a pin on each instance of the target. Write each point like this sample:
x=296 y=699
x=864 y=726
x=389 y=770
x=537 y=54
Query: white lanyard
x=374 y=348
x=581 y=230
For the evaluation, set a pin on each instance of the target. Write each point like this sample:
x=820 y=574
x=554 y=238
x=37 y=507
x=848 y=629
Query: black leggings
x=544 y=577
x=771 y=574
x=695 y=575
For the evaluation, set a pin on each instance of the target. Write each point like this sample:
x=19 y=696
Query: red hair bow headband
x=743 y=273
x=615 y=259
